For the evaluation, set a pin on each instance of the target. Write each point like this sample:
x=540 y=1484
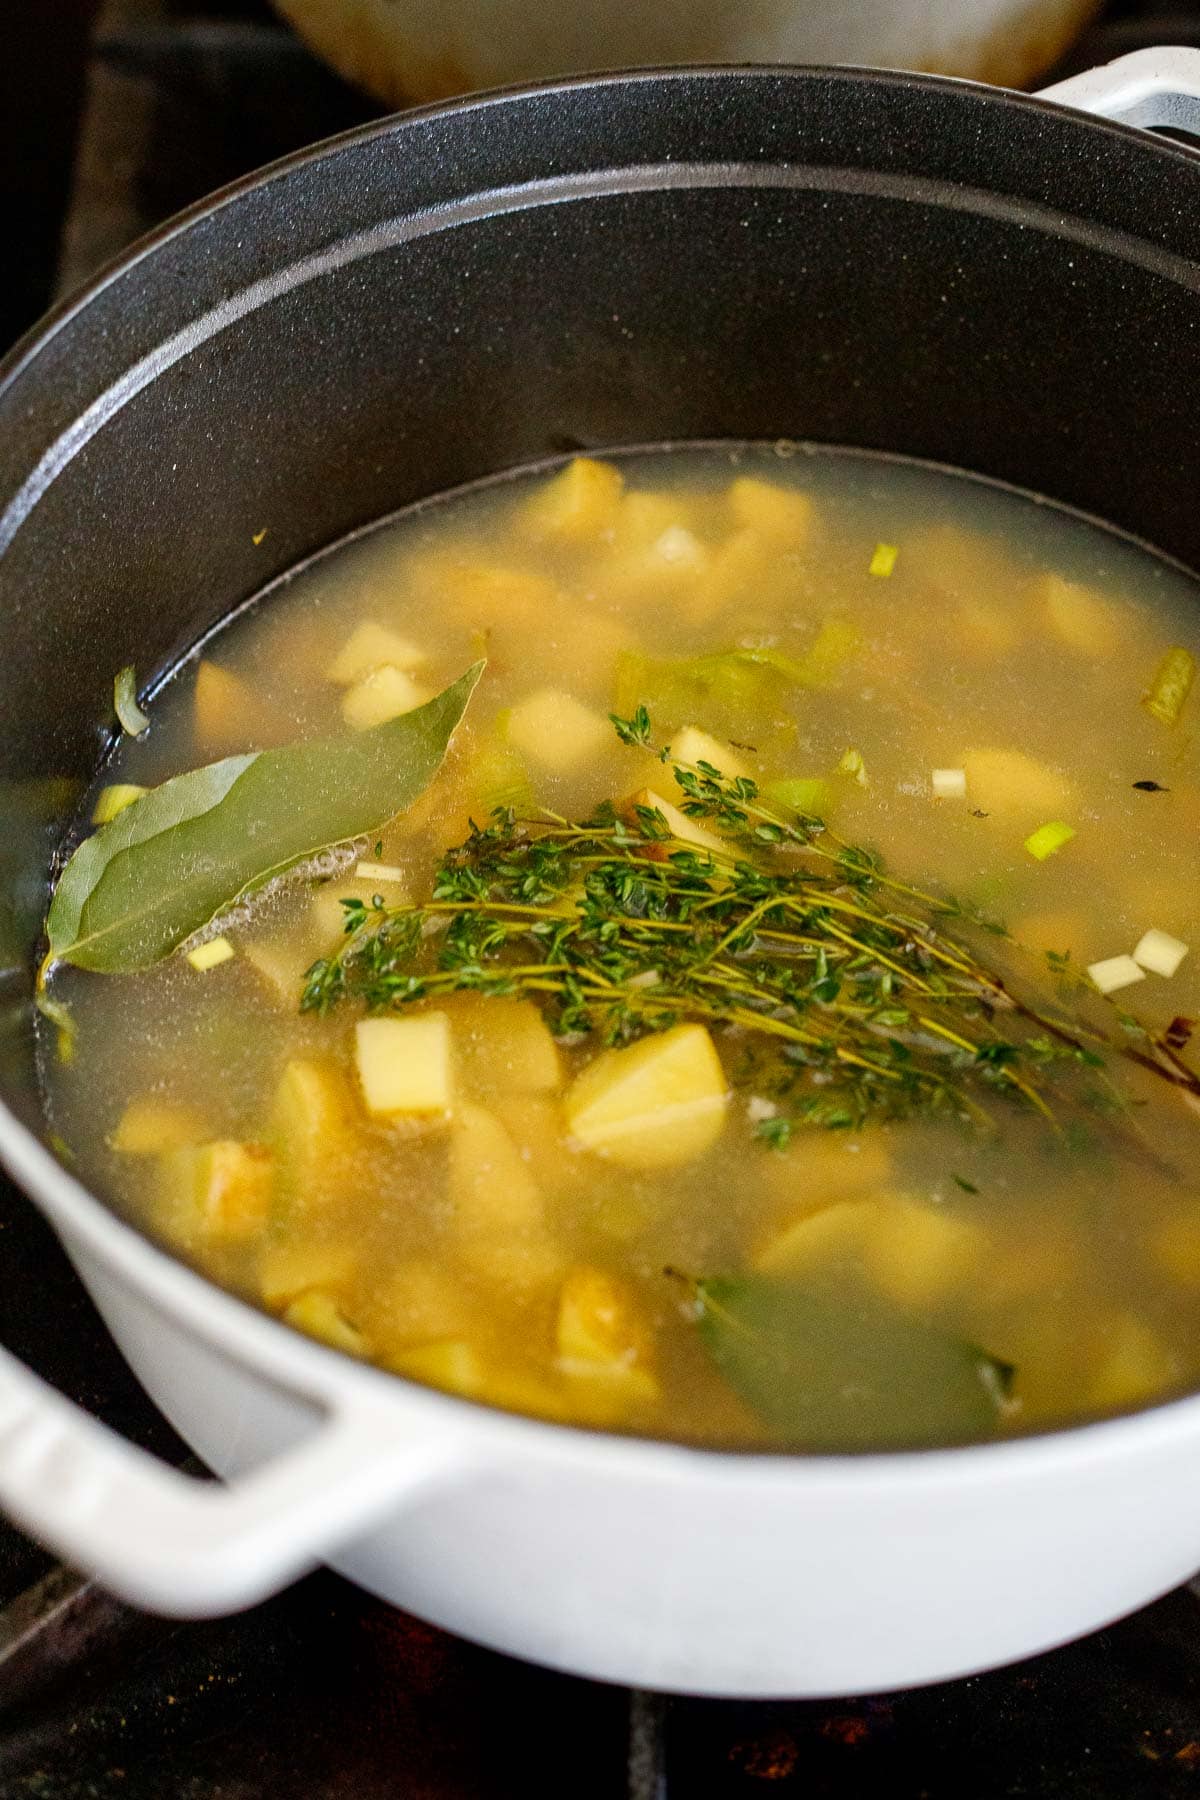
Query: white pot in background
x=409 y=50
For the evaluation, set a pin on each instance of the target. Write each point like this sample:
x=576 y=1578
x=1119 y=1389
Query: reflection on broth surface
x=687 y=1116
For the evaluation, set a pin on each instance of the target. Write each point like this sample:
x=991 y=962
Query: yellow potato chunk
x=691 y=745
x=1136 y=1365
x=227 y=713
x=578 y=504
x=492 y=1189
x=504 y=1046
x=148 y=1127
x=327 y=914
x=384 y=694
x=912 y=1252
x=610 y=1394
x=557 y=732
x=404 y=1066
x=280 y=962
x=449 y=1363
x=820 y=1167
x=216 y=1193
x=1175 y=1246
x=1079 y=617
x=688 y=831
x=598 y=1322
x=986 y=630
x=652 y=1104
x=293 y=1266
x=369 y=646
x=320 y=1316
x=643 y=518
x=779 y=513
x=1009 y=783
x=419 y=1301
x=310 y=1116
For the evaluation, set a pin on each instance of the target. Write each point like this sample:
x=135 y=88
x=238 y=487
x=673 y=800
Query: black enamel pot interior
x=860 y=258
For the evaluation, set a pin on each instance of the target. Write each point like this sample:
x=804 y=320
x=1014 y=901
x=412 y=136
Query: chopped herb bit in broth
x=648 y=972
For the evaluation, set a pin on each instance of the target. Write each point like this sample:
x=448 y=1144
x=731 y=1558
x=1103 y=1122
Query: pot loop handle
x=1159 y=87
x=190 y=1548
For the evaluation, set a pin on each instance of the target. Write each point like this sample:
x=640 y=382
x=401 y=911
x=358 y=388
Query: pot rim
x=267 y=1346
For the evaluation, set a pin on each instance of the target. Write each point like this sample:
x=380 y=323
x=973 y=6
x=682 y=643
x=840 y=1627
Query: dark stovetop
x=325 y=1694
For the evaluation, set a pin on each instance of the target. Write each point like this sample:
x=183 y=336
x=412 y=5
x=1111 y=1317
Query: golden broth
x=487 y=1249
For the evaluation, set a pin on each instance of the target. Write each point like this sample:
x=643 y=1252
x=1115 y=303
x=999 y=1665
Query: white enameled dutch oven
x=922 y=266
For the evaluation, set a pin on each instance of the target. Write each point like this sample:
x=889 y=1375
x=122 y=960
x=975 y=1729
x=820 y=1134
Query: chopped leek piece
x=808 y=795
x=884 y=559
x=211 y=955
x=1048 y=838
x=133 y=719
x=387 y=873
x=853 y=765
x=1171 y=685
x=1115 y=972
x=1159 y=952
x=950 y=784
x=113 y=800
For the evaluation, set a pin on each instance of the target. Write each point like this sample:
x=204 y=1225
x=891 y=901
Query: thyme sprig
x=840 y=988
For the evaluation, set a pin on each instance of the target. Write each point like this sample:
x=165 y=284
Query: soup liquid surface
x=487 y=1247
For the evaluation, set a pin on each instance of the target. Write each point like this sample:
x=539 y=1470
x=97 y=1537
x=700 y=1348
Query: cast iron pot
x=874 y=259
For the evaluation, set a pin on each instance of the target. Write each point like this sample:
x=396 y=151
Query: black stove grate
x=324 y=1693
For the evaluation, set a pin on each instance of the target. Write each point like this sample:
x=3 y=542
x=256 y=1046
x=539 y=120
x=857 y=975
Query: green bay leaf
x=846 y=1371
x=204 y=840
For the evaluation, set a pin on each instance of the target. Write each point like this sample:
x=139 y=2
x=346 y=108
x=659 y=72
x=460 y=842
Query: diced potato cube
x=598 y=1322
x=986 y=630
x=1175 y=1246
x=449 y=1363
x=492 y=1189
x=819 y=1167
x=577 y=504
x=384 y=694
x=495 y=598
x=912 y=1252
x=292 y=1266
x=368 y=647
x=610 y=1394
x=1137 y=1366
x=148 y=1126
x=918 y=1252
x=556 y=731
x=419 y=1301
x=404 y=1065
x=504 y=1046
x=738 y=570
x=691 y=745
x=1008 y=782
x=320 y=1316
x=216 y=1193
x=211 y=955
x=677 y=551
x=113 y=800
x=783 y=514
x=642 y=518
x=1079 y=617
x=227 y=713
x=652 y=1104
x=687 y=831
x=328 y=915
x=310 y=1120
x=525 y=1265
x=281 y=963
